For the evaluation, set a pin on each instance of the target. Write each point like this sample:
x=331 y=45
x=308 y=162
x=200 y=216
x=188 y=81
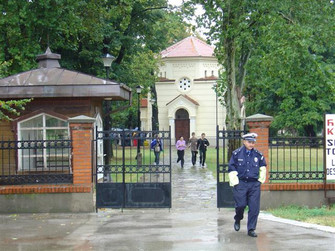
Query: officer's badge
x=256 y=159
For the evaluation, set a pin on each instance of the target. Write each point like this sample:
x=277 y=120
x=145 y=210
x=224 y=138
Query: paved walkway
x=193 y=223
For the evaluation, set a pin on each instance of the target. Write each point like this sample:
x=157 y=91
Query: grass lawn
x=296 y=159
x=322 y=216
x=211 y=160
x=283 y=160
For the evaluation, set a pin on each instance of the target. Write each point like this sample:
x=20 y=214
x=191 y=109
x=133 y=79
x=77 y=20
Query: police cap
x=250 y=136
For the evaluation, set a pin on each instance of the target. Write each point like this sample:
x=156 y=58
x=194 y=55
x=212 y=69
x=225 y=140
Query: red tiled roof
x=189 y=47
x=207 y=78
x=165 y=80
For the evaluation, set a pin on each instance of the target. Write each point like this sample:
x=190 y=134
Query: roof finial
x=48 y=59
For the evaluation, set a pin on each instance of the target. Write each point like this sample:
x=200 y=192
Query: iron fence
x=132 y=160
x=132 y=174
x=296 y=159
x=35 y=161
x=226 y=142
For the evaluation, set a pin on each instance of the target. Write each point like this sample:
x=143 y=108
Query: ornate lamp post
x=216 y=108
x=153 y=120
x=107 y=60
x=138 y=91
x=216 y=103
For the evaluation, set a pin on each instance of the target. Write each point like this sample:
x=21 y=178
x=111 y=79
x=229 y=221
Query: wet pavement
x=193 y=223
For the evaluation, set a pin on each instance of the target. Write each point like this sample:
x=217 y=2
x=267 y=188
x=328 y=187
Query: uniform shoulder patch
x=258 y=152
x=237 y=151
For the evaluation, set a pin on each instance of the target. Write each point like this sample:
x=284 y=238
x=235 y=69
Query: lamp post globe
x=139 y=89
x=107 y=59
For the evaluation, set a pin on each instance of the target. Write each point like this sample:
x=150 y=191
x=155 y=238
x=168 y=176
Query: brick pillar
x=81 y=129
x=260 y=124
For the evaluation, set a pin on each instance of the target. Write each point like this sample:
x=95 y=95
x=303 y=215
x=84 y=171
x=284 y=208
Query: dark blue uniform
x=247 y=192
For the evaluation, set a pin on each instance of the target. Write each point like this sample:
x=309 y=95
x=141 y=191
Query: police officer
x=247 y=170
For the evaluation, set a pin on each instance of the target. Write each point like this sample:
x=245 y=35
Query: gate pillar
x=81 y=128
x=260 y=123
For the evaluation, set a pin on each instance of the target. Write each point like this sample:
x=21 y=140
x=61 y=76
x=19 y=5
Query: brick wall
x=82 y=135
x=296 y=187
x=262 y=143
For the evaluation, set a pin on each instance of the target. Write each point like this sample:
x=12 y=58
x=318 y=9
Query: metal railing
x=297 y=159
x=35 y=161
x=132 y=159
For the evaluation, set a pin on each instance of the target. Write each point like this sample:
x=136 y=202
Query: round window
x=184 y=84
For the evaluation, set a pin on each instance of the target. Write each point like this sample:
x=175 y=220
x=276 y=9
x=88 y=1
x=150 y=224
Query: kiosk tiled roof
x=50 y=80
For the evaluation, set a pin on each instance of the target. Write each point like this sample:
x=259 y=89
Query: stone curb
x=270 y=217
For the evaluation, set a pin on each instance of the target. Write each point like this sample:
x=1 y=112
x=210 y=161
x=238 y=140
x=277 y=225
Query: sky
x=175 y=2
x=199 y=11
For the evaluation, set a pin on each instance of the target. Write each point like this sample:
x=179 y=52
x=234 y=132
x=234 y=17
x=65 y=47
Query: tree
x=231 y=26
x=28 y=27
x=272 y=51
x=296 y=65
x=82 y=30
x=141 y=31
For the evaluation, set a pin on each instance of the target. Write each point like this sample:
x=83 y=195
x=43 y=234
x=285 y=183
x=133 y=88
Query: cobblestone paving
x=192 y=187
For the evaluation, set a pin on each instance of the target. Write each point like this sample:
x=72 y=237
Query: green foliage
x=4 y=68
x=280 y=55
x=28 y=26
x=294 y=67
x=232 y=26
x=12 y=107
x=83 y=30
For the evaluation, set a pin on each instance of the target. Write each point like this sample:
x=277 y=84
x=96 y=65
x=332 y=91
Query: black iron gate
x=227 y=142
x=131 y=178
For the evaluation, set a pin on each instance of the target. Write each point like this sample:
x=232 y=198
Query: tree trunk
x=309 y=130
x=232 y=97
x=154 y=121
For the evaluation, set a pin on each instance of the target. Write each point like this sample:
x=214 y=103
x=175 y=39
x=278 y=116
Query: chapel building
x=186 y=99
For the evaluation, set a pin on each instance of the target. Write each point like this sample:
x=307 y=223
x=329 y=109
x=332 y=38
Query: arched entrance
x=182 y=124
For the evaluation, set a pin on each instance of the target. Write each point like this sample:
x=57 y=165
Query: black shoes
x=252 y=233
x=237 y=225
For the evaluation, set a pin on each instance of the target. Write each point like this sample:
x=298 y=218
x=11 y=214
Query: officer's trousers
x=247 y=194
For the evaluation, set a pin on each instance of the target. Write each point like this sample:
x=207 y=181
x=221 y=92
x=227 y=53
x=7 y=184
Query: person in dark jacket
x=157 y=146
x=202 y=146
x=246 y=171
x=193 y=145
